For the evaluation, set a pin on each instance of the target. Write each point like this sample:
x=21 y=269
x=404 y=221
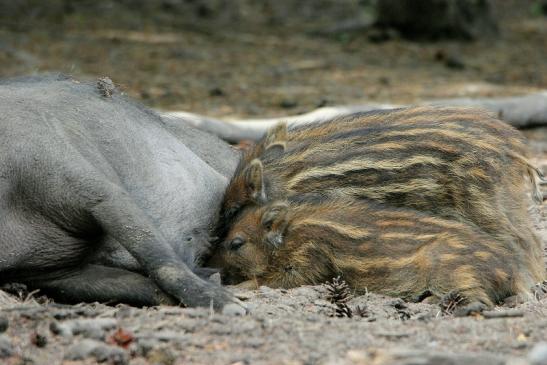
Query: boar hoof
x=191 y=291
x=216 y=297
x=221 y=300
x=233 y=309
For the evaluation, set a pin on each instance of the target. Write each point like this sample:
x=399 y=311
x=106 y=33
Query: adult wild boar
x=101 y=199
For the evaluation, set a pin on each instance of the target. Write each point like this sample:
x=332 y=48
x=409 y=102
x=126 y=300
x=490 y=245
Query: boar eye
x=236 y=243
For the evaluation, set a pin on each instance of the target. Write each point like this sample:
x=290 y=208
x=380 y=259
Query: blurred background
x=276 y=57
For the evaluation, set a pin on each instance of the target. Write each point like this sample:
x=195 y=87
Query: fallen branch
x=252 y=129
x=520 y=111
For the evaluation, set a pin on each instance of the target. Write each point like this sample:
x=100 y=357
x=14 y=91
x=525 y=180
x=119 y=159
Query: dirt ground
x=271 y=72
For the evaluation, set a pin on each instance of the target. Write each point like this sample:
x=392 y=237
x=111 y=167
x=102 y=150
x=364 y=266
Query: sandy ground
x=267 y=73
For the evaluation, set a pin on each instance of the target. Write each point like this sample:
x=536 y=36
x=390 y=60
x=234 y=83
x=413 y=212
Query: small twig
x=393 y=334
x=30 y=295
x=108 y=313
x=503 y=314
x=211 y=309
x=24 y=308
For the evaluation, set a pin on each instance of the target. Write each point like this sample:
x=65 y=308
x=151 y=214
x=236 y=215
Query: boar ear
x=254 y=180
x=278 y=133
x=275 y=215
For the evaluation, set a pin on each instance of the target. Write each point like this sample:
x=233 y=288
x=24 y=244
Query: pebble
x=191 y=325
x=310 y=291
x=165 y=336
x=97 y=350
x=233 y=309
x=6 y=349
x=217 y=329
x=124 y=311
x=240 y=360
x=216 y=91
x=454 y=62
x=244 y=327
x=89 y=328
x=269 y=293
x=253 y=342
x=196 y=312
x=402 y=356
x=397 y=303
x=69 y=313
x=427 y=316
x=538 y=354
x=244 y=295
x=323 y=303
x=220 y=319
x=38 y=339
x=58 y=329
x=288 y=104
x=251 y=307
x=161 y=356
x=144 y=346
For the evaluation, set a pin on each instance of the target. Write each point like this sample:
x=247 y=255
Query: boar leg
x=95 y=283
x=121 y=218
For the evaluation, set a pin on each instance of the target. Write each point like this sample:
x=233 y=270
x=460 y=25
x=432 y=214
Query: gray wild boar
x=101 y=199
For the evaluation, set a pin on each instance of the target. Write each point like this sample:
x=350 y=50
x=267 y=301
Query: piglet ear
x=275 y=217
x=276 y=134
x=254 y=181
x=275 y=141
x=274 y=221
x=275 y=150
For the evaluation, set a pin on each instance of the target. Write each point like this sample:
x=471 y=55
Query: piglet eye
x=232 y=211
x=236 y=243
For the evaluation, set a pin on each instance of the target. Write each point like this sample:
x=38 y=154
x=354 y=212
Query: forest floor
x=273 y=72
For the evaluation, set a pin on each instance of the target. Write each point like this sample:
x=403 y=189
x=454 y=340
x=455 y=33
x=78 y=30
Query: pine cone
x=339 y=294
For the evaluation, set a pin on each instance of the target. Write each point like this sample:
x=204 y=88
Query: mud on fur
x=456 y=163
x=393 y=251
